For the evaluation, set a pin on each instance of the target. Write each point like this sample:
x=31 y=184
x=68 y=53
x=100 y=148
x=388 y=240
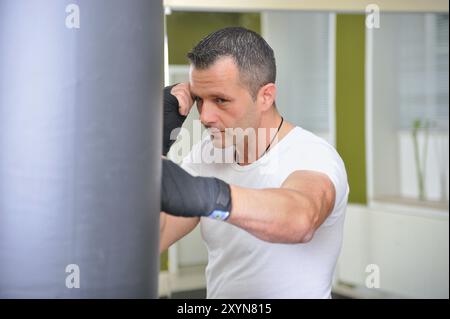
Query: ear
x=266 y=96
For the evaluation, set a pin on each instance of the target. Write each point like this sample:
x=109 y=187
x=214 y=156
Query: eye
x=198 y=100
x=220 y=101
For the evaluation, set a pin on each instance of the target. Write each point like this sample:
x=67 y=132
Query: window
x=407 y=115
x=304 y=49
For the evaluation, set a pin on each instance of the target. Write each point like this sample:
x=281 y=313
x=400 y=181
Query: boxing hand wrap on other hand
x=185 y=195
x=172 y=117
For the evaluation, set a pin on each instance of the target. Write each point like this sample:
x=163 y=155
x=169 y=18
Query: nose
x=208 y=114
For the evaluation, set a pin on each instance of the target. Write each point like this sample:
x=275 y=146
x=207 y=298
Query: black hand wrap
x=189 y=196
x=172 y=117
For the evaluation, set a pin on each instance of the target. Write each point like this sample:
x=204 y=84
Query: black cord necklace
x=270 y=144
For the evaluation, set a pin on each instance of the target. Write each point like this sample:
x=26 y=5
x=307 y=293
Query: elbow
x=306 y=236
x=306 y=224
x=298 y=228
x=298 y=232
x=305 y=232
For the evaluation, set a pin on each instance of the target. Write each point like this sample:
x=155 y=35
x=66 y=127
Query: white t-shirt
x=243 y=266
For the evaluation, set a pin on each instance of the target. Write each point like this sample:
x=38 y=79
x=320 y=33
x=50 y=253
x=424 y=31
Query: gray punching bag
x=80 y=148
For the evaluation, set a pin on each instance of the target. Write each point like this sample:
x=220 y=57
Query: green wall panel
x=350 y=101
x=186 y=29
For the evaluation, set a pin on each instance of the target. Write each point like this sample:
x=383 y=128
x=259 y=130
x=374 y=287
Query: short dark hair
x=252 y=54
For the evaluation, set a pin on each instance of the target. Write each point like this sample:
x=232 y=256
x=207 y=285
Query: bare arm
x=172 y=229
x=290 y=214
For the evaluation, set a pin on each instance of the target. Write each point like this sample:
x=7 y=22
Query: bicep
x=317 y=187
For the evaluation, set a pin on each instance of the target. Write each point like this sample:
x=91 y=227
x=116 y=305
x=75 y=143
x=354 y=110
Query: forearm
x=162 y=226
x=274 y=215
x=172 y=229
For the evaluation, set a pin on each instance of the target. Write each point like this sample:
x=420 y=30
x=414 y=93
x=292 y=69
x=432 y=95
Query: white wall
x=410 y=247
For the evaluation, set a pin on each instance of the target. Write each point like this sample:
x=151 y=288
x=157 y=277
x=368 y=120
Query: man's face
x=223 y=102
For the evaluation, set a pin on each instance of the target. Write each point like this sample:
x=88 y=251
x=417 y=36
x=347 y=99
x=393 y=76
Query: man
x=275 y=233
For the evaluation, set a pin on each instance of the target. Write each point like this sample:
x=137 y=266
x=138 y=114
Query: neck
x=256 y=142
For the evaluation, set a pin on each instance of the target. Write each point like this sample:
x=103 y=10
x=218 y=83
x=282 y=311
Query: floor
x=201 y=294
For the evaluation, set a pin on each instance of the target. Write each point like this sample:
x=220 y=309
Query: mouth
x=215 y=131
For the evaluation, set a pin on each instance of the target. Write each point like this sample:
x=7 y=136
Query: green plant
x=420 y=164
